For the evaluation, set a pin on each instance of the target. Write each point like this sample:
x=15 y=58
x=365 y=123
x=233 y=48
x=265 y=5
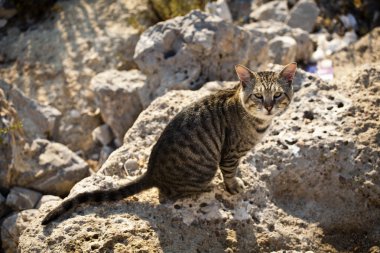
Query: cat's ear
x=288 y=72
x=244 y=74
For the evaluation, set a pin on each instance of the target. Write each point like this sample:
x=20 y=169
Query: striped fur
x=212 y=133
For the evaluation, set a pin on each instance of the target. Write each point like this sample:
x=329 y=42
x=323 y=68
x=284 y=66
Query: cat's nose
x=269 y=108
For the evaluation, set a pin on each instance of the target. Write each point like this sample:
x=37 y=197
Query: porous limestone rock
x=314 y=172
x=118 y=97
x=22 y=198
x=275 y=10
x=13 y=226
x=303 y=15
x=185 y=52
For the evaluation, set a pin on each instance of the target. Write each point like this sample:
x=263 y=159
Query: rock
x=3 y=208
x=47 y=199
x=283 y=49
x=76 y=132
x=50 y=168
x=13 y=226
x=21 y=198
x=102 y=134
x=186 y=52
x=290 y=175
x=220 y=9
x=271 y=29
x=118 y=97
x=60 y=55
x=276 y=10
x=38 y=121
x=303 y=15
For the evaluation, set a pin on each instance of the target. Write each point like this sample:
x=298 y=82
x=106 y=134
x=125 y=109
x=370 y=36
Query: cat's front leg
x=228 y=167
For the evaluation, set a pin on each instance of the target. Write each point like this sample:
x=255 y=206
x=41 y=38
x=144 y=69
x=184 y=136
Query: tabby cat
x=213 y=132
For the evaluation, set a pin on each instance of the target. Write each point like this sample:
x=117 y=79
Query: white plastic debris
x=325 y=70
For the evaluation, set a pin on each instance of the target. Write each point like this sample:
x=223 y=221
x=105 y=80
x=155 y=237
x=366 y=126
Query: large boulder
x=303 y=15
x=55 y=171
x=119 y=95
x=49 y=167
x=307 y=181
x=185 y=52
x=13 y=226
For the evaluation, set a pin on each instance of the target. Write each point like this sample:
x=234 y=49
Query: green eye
x=277 y=94
x=258 y=95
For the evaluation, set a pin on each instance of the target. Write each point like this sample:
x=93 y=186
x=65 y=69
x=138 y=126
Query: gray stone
x=303 y=15
x=118 y=97
x=13 y=226
x=102 y=134
x=76 y=132
x=38 y=121
x=271 y=29
x=50 y=168
x=282 y=50
x=47 y=199
x=21 y=198
x=274 y=10
x=186 y=52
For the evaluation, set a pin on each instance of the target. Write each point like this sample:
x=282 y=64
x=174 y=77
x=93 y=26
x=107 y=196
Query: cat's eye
x=277 y=94
x=258 y=95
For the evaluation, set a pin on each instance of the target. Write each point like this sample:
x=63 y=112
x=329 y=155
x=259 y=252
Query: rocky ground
x=86 y=91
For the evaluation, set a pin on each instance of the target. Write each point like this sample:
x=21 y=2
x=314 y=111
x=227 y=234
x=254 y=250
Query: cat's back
x=194 y=132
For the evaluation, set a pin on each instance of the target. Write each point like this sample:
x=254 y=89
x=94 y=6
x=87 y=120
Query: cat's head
x=266 y=94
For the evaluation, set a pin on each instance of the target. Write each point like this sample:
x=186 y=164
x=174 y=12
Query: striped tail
x=140 y=184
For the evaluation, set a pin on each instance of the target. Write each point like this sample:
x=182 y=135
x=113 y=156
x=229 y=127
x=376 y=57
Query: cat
x=212 y=133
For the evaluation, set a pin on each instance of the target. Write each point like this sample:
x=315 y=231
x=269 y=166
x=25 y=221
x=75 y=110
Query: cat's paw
x=235 y=185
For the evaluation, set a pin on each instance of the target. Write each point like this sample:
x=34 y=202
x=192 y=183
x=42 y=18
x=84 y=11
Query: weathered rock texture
x=50 y=168
x=307 y=182
x=54 y=61
x=118 y=95
x=185 y=52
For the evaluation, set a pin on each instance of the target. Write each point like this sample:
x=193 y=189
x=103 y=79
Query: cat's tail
x=140 y=184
